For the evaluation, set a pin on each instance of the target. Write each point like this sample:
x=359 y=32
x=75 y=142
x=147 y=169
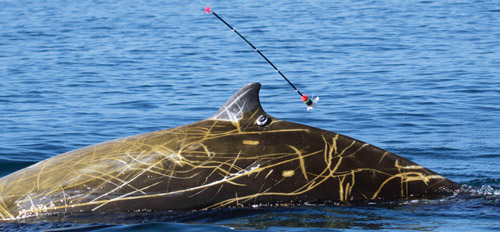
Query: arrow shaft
x=257 y=50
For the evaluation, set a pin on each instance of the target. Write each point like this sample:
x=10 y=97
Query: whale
x=239 y=157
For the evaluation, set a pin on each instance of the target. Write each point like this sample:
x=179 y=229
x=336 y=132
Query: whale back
x=241 y=156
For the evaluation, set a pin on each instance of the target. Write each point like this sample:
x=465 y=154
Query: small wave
x=481 y=188
x=8 y=166
x=157 y=226
x=487 y=156
x=138 y=104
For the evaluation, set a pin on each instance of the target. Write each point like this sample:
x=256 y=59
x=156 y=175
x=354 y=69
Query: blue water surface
x=418 y=78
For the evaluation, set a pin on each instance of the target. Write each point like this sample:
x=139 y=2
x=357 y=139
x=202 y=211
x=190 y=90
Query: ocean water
x=418 y=78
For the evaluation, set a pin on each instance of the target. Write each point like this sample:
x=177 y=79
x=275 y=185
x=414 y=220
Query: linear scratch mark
x=301 y=161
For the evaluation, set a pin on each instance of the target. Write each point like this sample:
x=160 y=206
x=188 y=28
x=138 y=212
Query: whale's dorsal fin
x=246 y=100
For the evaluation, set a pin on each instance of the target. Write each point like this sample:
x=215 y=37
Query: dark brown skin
x=226 y=160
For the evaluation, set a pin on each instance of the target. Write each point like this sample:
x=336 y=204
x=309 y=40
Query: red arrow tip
x=208 y=10
x=304 y=98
